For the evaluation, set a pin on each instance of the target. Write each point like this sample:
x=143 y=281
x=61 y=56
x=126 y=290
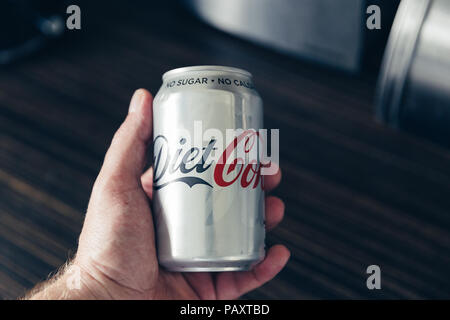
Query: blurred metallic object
x=328 y=31
x=414 y=84
x=26 y=25
x=52 y=26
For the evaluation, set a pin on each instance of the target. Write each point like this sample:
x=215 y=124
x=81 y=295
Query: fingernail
x=136 y=101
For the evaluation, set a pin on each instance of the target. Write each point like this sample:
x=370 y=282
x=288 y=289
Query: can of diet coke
x=208 y=198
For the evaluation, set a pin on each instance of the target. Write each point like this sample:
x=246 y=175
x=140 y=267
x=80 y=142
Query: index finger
x=271 y=181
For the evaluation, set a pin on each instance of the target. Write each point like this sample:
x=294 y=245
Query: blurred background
x=364 y=143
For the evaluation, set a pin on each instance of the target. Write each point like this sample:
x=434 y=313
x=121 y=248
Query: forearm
x=70 y=283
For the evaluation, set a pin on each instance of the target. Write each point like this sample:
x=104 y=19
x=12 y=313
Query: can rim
x=177 y=71
x=398 y=57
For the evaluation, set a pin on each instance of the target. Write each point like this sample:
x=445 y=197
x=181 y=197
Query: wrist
x=73 y=283
x=100 y=286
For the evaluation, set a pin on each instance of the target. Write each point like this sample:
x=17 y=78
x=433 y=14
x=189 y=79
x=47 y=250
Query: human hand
x=117 y=257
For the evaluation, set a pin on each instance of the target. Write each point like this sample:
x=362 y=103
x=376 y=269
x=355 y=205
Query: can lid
x=398 y=56
x=178 y=71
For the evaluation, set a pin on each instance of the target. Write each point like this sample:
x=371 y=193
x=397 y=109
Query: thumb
x=126 y=156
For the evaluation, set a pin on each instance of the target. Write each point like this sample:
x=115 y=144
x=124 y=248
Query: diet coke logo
x=166 y=165
x=240 y=162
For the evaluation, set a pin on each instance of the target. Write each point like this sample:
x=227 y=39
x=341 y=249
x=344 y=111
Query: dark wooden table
x=356 y=193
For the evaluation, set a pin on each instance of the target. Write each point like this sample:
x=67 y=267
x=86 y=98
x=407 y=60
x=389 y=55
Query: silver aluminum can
x=203 y=221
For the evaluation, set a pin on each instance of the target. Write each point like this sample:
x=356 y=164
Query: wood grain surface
x=356 y=193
